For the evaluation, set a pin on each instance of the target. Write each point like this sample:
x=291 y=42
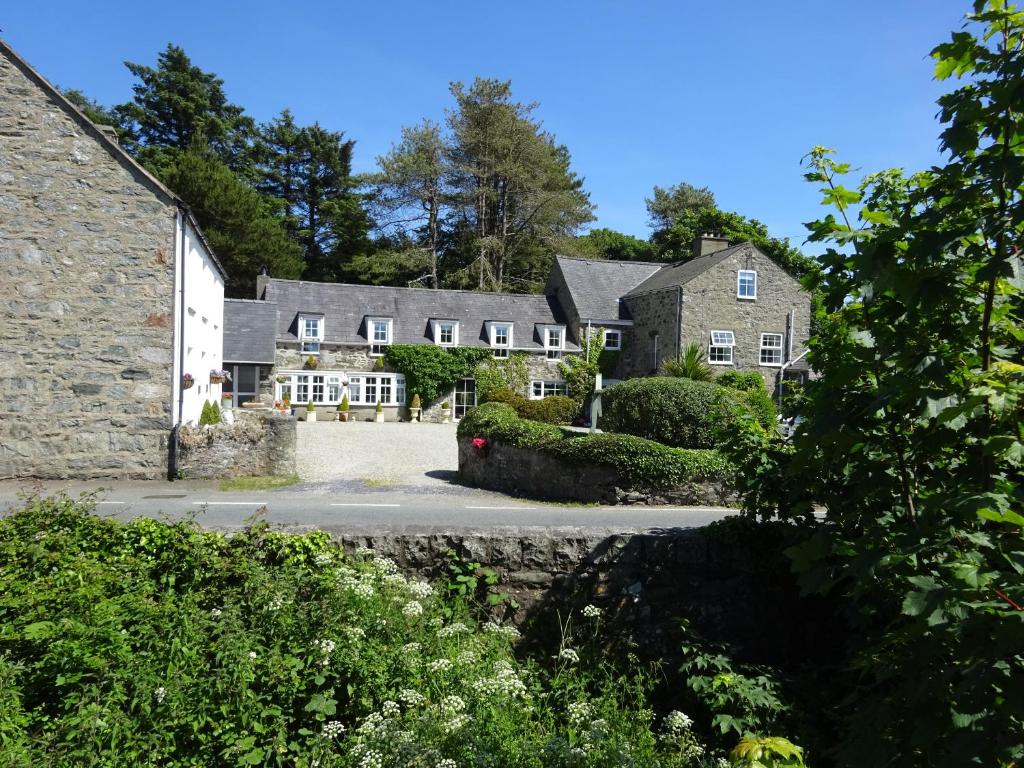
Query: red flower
x=479 y=443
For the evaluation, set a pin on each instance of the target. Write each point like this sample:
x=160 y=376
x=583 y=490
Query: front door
x=465 y=397
x=245 y=384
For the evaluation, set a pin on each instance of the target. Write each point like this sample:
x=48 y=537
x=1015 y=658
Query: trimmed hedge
x=681 y=413
x=642 y=463
x=556 y=409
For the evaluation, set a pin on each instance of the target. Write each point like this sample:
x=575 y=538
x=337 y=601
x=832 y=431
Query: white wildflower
x=439 y=665
x=420 y=589
x=592 y=611
x=325 y=646
x=579 y=712
x=505 y=683
x=569 y=656
x=453 y=703
x=578 y=752
x=372 y=759
x=722 y=763
x=677 y=723
x=276 y=603
x=216 y=613
x=466 y=658
x=385 y=565
x=412 y=608
x=372 y=723
x=394 y=580
x=390 y=709
x=411 y=648
x=453 y=629
x=333 y=729
x=502 y=629
x=252 y=655
x=364 y=551
x=159 y=694
x=355 y=633
x=322 y=559
x=411 y=698
x=446 y=763
x=457 y=723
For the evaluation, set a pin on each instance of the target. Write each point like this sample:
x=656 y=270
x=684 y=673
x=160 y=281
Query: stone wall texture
x=731 y=587
x=86 y=313
x=536 y=474
x=257 y=444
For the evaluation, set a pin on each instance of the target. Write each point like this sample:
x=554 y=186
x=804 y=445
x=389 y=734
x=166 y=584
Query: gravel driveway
x=362 y=456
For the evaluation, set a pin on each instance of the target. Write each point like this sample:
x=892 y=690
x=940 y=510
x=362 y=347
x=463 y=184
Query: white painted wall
x=199 y=324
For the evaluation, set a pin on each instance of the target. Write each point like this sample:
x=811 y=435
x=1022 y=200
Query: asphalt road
x=343 y=508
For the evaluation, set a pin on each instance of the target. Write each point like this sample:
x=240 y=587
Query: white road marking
x=365 y=505
x=111 y=502
x=228 y=503
x=500 y=508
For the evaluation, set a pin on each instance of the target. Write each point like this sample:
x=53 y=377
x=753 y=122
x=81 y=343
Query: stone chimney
x=261 y=281
x=706 y=244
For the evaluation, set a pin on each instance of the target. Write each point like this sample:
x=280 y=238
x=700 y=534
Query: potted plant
x=286 y=407
x=281 y=379
x=187 y=381
x=416 y=408
x=310 y=364
x=310 y=411
x=446 y=412
x=343 y=409
x=226 y=399
x=378 y=416
x=218 y=376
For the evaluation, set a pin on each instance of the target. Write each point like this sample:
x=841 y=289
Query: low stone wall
x=258 y=443
x=541 y=475
x=728 y=586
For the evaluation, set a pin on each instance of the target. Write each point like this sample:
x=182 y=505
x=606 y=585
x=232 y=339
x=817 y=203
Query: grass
x=261 y=483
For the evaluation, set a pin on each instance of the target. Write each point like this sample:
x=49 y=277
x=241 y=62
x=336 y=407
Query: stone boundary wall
x=256 y=444
x=541 y=475
x=644 y=581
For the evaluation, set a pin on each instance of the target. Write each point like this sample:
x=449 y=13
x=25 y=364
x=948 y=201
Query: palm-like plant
x=689 y=365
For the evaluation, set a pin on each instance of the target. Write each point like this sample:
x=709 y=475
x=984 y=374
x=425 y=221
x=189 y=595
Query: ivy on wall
x=508 y=373
x=431 y=371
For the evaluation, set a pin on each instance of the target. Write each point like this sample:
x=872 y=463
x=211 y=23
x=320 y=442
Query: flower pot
x=343 y=415
x=379 y=417
x=414 y=414
x=187 y=383
x=216 y=379
x=446 y=415
x=310 y=415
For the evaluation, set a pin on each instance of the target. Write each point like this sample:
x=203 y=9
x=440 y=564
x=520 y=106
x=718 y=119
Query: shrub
x=210 y=414
x=416 y=402
x=310 y=407
x=380 y=407
x=677 y=412
x=643 y=463
x=690 y=365
x=754 y=394
x=343 y=405
x=556 y=409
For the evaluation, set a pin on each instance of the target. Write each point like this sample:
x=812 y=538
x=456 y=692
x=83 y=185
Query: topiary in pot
x=310 y=411
x=343 y=409
x=379 y=415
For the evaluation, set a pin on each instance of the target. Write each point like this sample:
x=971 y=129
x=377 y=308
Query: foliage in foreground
x=914 y=438
x=556 y=409
x=644 y=463
x=151 y=643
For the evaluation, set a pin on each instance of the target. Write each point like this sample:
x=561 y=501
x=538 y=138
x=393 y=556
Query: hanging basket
x=187 y=381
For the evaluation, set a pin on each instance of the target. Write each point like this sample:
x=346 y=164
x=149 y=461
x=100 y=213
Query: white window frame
x=376 y=345
x=739 y=284
x=331 y=387
x=439 y=326
x=541 y=388
x=774 y=349
x=500 y=350
x=618 y=335
x=553 y=352
x=723 y=343
x=310 y=343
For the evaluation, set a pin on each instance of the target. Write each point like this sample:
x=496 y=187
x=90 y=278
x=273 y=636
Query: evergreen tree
x=175 y=104
x=95 y=111
x=240 y=225
x=516 y=193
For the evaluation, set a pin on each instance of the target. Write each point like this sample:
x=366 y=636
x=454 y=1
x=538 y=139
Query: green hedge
x=556 y=409
x=678 y=412
x=643 y=463
x=753 y=392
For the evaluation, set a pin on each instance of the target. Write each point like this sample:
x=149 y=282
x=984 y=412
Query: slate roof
x=346 y=307
x=249 y=331
x=597 y=286
x=683 y=272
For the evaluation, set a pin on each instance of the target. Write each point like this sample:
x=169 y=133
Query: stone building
x=328 y=341
x=743 y=310
x=111 y=296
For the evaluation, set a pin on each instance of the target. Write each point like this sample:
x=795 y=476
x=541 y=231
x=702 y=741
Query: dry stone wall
x=256 y=444
x=86 y=313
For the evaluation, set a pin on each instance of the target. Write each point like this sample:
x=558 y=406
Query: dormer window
x=379 y=332
x=501 y=338
x=311 y=333
x=554 y=341
x=746 y=284
x=446 y=333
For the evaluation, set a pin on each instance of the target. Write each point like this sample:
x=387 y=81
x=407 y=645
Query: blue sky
x=724 y=95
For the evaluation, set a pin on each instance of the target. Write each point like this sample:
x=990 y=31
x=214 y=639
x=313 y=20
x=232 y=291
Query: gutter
x=679 y=321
